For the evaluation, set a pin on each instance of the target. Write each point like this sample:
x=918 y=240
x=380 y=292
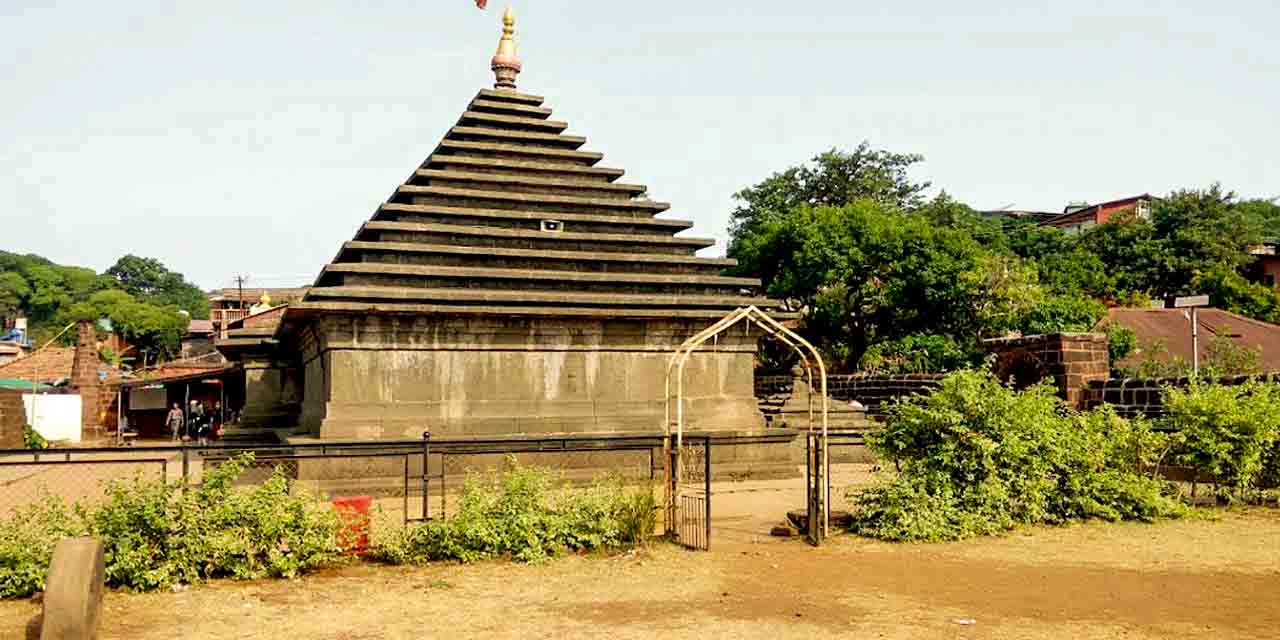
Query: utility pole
x=240 y=284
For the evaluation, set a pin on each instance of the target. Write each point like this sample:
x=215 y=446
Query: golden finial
x=266 y=298
x=506 y=63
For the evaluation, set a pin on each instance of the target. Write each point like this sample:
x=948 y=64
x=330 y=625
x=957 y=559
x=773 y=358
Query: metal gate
x=688 y=494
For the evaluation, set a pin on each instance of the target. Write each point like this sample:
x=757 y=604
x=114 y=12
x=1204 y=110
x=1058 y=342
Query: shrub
x=916 y=353
x=977 y=457
x=156 y=533
x=1225 y=430
x=32 y=439
x=27 y=539
x=529 y=515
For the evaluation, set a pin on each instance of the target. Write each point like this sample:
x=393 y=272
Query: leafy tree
x=1062 y=313
x=1200 y=231
x=833 y=178
x=870 y=272
x=157 y=331
x=1229 y=290
x=14 y=292
x=1265 y=213
x=148 y=280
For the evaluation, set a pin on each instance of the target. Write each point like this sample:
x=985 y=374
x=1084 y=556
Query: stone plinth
x=371 y=377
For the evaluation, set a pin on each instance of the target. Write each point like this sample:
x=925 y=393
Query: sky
x=255 y=137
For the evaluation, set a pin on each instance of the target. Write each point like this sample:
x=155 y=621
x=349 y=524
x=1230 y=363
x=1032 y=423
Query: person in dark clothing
x=200 y=421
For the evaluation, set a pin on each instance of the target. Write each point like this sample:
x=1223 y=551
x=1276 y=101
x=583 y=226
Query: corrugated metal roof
x=1172 y=327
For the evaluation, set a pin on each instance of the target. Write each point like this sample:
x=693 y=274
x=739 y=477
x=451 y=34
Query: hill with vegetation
x=145 y=301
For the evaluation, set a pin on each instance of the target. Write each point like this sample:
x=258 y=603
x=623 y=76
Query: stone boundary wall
x=873 y=391
x=1141 y=396
x=13 y=419
x=1072 y=360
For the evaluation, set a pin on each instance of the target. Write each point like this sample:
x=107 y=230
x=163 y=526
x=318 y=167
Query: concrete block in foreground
x=73 y=594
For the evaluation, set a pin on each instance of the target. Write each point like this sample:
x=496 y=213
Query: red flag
x=481 y=3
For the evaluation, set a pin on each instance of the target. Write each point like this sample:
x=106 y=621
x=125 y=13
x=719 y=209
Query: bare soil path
x=1187 y=579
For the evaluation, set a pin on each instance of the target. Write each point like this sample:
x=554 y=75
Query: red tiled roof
x=49 y=365
x=200 y=326
x=173 y=374
x=1172 y=327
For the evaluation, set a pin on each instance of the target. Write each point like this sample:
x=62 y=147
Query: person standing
x=174 y=421
x=200 y=422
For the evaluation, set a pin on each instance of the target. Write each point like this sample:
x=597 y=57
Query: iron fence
x=408 y=480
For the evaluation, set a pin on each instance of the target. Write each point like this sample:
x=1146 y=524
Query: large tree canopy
x=149 y=281
x=139 y=295
x=870 y=272
x=833 y=178
x=155 y=330
x=880 y=275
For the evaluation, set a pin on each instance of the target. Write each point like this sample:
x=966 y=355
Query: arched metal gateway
x=683 y=496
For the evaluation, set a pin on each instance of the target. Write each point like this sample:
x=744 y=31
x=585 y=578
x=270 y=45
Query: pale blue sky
x=255 y=137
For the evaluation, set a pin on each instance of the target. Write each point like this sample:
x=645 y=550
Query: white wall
x=56 y=417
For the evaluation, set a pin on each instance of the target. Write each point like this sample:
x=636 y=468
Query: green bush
x=916 y=353
x=27 y=539
x=526 y=514
x=1225 y=431
x=32 y=439
x=977 y=457
x=156 y=533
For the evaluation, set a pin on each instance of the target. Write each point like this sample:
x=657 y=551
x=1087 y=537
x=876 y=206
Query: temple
x=511 y=285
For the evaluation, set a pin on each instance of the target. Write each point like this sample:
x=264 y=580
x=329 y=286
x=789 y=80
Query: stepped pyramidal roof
x=510 y=215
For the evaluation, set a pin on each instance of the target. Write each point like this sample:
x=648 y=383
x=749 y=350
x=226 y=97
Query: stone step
x=308 y=308
x=391 y=209
x=520 y=137
x=585 y=260
x=607 y=188
x=478 y=273
x=456 y=231
x=532 y=199
x=540 y=124
x=559 y=169
x=499 y=296
x=586 y=158
x=480 y=104
x=498 y=95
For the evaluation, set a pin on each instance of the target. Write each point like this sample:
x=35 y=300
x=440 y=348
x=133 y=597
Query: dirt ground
x=1191 y=578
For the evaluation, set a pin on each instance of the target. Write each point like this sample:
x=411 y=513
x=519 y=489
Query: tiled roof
x=1172 y=327
x=47 y=365
x=176 y=374
x=200 y=326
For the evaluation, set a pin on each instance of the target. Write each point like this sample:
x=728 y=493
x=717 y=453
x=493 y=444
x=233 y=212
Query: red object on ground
x=481 y=3
x=353 y=512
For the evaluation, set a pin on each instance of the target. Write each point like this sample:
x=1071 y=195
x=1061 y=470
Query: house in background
x=231 y=304
x=1077 y=217
x=1034 y=216
x=1266 y=266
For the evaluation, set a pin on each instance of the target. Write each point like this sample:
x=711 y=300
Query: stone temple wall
x=388 y=377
